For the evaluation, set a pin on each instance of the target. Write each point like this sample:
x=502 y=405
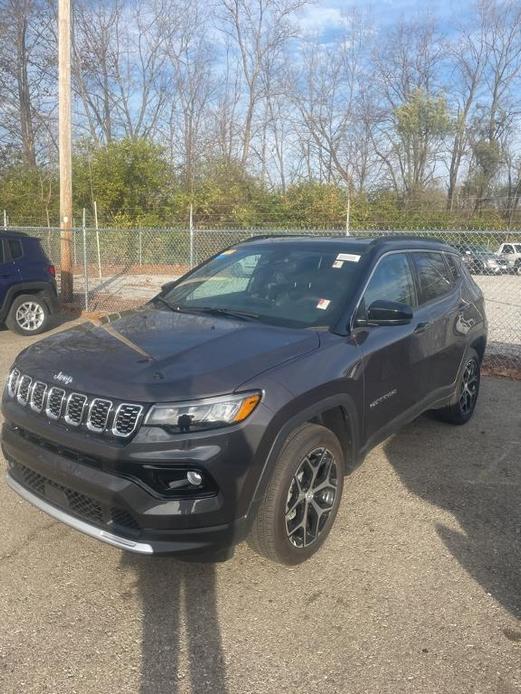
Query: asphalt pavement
x=418 y=588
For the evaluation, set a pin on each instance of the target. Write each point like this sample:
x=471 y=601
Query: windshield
x=295 y=286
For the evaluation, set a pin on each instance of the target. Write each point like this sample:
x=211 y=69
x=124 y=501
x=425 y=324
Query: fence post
x=85 y=267
x=97 y=237
x=348 y=211
x=191 y=236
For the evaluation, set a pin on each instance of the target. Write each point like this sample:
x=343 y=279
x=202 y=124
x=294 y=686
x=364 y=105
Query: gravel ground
x=417 y=590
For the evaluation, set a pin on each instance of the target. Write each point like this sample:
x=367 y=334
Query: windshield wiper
x=176 y=309
x=216 y=311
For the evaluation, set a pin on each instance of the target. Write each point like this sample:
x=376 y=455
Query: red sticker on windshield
x=323 y=304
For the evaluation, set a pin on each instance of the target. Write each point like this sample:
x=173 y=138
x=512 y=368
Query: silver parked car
x=511 y=254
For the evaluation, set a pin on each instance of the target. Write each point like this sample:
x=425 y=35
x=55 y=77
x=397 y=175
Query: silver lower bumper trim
x=91 y=530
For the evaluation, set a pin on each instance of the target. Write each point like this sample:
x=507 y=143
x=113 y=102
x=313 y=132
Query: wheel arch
x=41 y=289
x=337 y=413
x=479 y=344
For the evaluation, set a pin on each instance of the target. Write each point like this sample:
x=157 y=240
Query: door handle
x=422 y=327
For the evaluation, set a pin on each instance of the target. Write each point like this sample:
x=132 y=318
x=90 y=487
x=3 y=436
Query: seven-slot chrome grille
x=98 y=415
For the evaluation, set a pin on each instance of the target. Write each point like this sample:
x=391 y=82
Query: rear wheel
x=302 y=498
x=28 y=315
x=462 y=408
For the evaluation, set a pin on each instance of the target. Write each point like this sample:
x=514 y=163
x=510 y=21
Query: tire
x=288 y=528
x=462 y=408
x=517 y=269
x=28 y=315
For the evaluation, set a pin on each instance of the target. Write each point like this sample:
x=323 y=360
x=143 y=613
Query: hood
x=155 y=355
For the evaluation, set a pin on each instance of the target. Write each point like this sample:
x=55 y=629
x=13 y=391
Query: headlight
x=491 y=262
x=204 y=414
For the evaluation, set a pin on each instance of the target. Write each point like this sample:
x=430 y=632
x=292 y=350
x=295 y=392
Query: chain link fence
x=116 y=269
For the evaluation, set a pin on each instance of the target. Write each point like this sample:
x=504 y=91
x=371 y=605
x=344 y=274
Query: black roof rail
x=405 y=237
x=263 y=237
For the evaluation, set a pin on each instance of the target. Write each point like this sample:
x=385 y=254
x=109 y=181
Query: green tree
x=130 y=180
x=226 y=194
x=421 y=124
x=29 y=194
x=315 y=204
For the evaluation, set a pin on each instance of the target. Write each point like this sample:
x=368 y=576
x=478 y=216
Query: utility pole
x=65 y=146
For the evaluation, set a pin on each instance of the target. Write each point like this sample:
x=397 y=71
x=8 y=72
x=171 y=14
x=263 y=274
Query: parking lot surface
x=418 y=588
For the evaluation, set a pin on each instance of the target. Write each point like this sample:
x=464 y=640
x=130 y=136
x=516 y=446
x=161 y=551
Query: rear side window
x=507 y=249
x=15 y=248
x=434 y=276
x=454 y=264
x=392 y=280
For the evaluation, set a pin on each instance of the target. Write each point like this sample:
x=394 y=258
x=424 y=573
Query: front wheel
x=302 y=498
x=464 y=403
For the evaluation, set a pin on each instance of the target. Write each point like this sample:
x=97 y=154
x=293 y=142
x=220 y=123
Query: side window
x=433 y=276
x=15 y=248
x=392 y=280
x=2 y=256
x=454 y=265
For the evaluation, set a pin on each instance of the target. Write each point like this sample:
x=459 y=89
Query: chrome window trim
x=31 y=399
x=49 y=395
x=20 y=383
x=66 y=417
x=90 y=426
x=114 y=430
x=394 y=252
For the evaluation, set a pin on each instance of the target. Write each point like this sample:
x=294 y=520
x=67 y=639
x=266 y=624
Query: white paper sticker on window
x=349 y=257
x=338 y=263
x=323 y=304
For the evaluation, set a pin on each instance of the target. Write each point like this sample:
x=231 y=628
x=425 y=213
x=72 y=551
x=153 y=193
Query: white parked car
x=511 y=252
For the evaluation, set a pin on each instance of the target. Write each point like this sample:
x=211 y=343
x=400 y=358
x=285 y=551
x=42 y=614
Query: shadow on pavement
x=480 y=484
x=180 y=628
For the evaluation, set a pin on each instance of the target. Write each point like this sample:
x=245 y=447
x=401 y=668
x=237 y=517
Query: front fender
x=303 y=409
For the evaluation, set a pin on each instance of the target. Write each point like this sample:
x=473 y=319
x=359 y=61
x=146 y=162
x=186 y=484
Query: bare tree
x=25 y=72
x=468 y=57
x=260 y=30
x=410 y=119
x=119 y=68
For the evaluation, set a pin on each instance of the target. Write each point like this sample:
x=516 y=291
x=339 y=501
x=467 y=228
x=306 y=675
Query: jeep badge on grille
x=63 y=378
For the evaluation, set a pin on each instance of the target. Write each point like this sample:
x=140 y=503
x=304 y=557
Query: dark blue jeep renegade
x=27 y=284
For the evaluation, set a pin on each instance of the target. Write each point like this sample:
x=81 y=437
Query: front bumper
x=96 y=500
x=77 y=524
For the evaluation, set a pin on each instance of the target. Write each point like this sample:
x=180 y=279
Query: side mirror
x=383 y=312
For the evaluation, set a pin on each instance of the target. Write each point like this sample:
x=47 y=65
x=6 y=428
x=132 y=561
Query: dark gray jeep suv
x=234 y=403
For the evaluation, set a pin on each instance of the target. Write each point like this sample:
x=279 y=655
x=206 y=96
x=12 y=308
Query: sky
x=326 y=18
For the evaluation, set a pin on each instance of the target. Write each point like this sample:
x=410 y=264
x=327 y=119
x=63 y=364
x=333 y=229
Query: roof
x=7 y=233
x=355 y=243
